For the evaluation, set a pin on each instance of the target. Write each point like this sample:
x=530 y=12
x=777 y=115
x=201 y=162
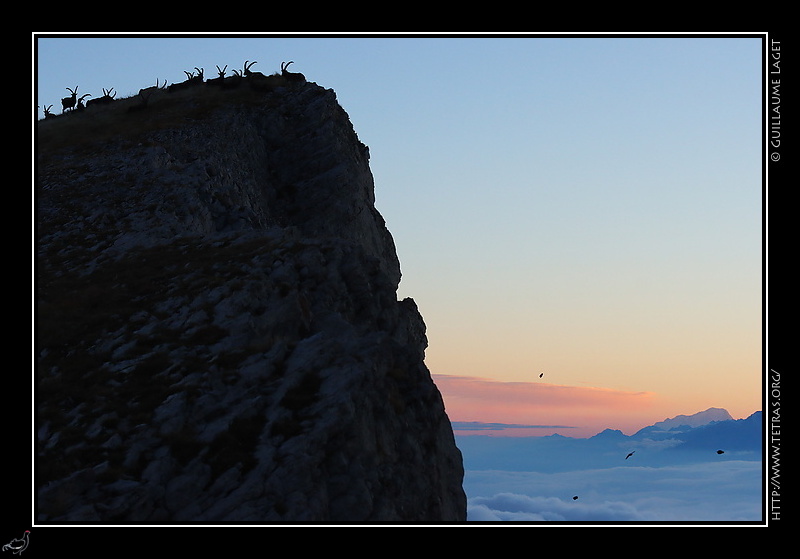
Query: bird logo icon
x=17 y=546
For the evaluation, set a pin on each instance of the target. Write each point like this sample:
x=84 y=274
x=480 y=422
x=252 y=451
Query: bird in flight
x=629 y=455
x=720 y=452
x=575 y=498
x=541 y=375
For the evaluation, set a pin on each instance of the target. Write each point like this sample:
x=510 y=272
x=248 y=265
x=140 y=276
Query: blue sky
x=588 y=207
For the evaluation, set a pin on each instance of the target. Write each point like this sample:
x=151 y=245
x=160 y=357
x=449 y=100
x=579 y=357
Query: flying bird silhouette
x=575 y=498
x=629 y=455
x=541 y=375
x=720 y=452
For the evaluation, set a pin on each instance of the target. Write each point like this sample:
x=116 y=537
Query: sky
x=589 y=208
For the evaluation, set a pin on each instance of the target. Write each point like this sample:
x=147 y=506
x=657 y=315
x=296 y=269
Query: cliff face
x=218 y=333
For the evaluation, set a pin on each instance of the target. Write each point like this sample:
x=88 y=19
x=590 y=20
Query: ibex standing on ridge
x=69 y=102
x=291 y=76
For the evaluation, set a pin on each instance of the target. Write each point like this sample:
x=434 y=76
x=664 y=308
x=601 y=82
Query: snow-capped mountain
x=695 y=420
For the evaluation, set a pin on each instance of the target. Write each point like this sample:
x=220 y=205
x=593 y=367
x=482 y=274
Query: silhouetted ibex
x=69 y=102
x=291 y=76
x=191 y=79
x=105 y=99
x=198 y=79
x=221 y=77
x=154 y=88
x=250 y=74
x=79 y=106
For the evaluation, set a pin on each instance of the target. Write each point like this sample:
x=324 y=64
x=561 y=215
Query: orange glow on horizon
x=567 y=410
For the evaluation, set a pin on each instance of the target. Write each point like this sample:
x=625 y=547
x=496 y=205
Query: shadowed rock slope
x=218 y=337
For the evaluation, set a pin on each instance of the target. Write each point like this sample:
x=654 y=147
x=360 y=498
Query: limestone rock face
x=218 y=333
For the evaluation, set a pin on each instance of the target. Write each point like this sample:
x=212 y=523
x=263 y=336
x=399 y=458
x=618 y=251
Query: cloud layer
x=707 y=492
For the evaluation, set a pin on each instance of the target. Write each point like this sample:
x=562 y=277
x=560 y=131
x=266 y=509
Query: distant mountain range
x=678 y=440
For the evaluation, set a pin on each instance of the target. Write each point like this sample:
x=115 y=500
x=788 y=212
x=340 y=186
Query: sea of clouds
x=672 y=476
x=729 y=491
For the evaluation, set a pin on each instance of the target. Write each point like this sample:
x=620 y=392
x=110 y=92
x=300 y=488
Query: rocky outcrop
x=218 y=333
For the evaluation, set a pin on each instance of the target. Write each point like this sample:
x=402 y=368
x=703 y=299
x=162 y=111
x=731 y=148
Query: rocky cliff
x=218 y=336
